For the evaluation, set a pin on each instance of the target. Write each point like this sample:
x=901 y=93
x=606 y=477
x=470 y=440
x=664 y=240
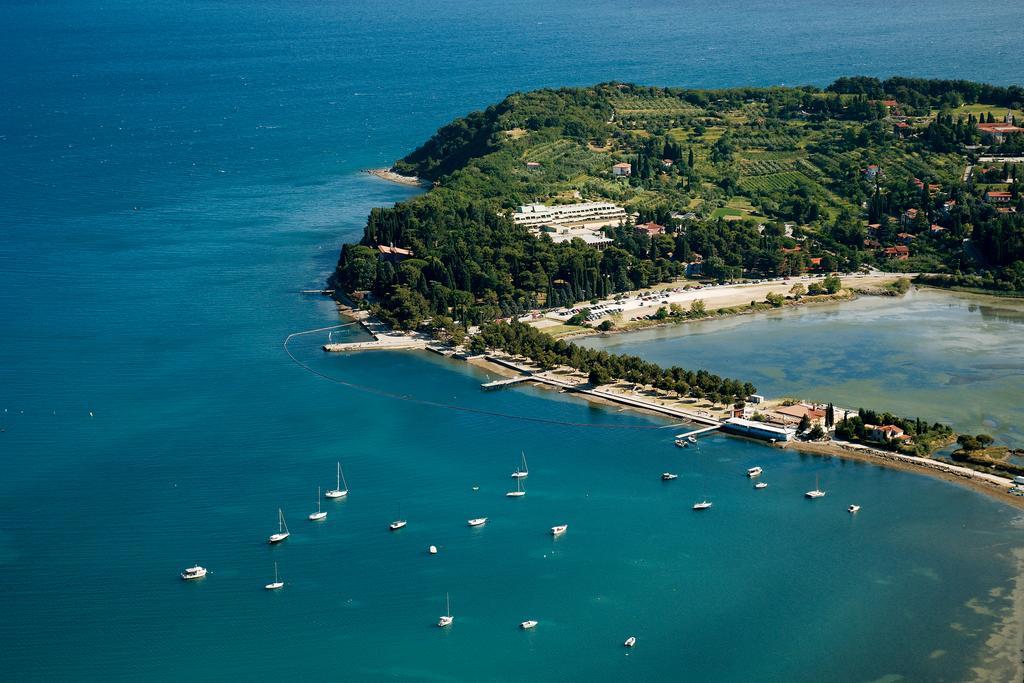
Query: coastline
x=391 y=176
x=934 y=468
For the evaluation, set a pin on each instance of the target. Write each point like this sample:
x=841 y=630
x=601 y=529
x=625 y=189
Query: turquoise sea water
x=173 y=174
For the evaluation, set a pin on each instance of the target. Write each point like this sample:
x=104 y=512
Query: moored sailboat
x=282 y=529
x=447 y=618
x=319 y=514
x=338 y=491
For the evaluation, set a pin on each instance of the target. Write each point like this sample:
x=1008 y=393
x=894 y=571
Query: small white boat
x=559 y=529
x=278 y=583
x=432 y=550
x=521 y=471
x=668 y=476
x=691 y=439
x=519 y=492
x=682 y=443
x=398 y=523
x=760 y=485
x=319 y=514
x=630 y=642
x=338 y=491
x=754 y=472
x=479 y=521
x=447 y=618
x=853 y=508
x=703 y=505
x=282 y=529
x=528 y=624
x=193 y=573
x=816 y=493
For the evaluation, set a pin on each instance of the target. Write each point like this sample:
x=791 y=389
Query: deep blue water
x=172 y=174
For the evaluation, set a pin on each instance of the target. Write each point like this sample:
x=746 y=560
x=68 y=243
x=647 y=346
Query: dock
x=324 y=292
x=507 y=382
x=697 y=432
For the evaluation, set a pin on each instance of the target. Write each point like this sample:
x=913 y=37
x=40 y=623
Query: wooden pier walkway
x=509 y=381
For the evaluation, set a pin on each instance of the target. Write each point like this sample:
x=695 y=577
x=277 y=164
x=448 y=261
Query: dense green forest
x=756 y=181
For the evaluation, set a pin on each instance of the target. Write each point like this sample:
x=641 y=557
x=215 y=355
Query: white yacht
x=447 y=618
x=338 y=491
x=519 y=492
x=193 y=573
x=817 y=492
x=319 y=514
x=703 y=505
x=853 y=508
x=754 y=472
x=522 y=471
x=668 y=476
x=760 y=485
x=278 y=583
x=432 y=550
x=630 y=642
x=559 y=529
x=691 y=439
x=282 y=529
x=479 y=521
x=528 y=624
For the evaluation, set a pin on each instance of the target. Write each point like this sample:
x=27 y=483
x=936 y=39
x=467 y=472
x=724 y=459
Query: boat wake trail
x=437 y=404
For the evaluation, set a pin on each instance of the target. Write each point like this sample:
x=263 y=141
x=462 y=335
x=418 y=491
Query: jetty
x=507 y=382
x=697 y=432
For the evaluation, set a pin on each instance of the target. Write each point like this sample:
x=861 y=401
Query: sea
x=174 y=174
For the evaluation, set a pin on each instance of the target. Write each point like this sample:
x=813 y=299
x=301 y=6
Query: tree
x=816 y=433
x=968 y=442
x=805 y=424
x=830 y=416
x=984 y=440
x=599 y=376
x=606 y=325
x=698 y=309
x=477 y=345
x=832 y=284
x=775 y=299
x=798 y=290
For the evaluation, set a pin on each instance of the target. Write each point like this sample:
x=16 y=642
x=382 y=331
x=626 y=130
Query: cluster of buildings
x=566 y=222
x=782 y=423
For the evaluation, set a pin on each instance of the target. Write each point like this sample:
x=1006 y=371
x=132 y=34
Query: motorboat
x=668 y=476
x=559 y=529
x=853 y=508
x=528 y=624
x=760 y=485
x=479 y=521
x=754 y=472
x=703 y=505
x=193 y=573
x=432 y=550
x=682 y=443
x=630 y=642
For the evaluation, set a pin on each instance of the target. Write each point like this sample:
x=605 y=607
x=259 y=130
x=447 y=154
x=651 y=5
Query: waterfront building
x=757 y=430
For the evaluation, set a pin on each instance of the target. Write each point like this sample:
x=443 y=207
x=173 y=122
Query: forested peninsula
x=902 y=174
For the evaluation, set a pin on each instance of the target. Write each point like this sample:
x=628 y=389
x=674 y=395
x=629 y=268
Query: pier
x=698 y=432
x=501 y=383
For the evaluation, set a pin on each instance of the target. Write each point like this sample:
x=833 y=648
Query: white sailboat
x=447 y=618
x=519 y=492
x=523 y=470
x=338 y=491
x=817 y=492
x=398 y=523
x=278 y=583
x=282 y=529
x=319 y=514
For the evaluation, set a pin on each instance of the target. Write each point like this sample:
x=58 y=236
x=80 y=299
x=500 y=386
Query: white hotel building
x=582 y=214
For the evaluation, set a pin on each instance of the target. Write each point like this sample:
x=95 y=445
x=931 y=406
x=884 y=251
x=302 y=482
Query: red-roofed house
x=872 y=171
x=904 y=238
x=908 y=217
x=794 y=413
x=900 y=252
x=997 y=197
x=883 y=433
x=393 y=253
x=623 y=169
x=650 y=229
x=937 y=229
x=997 y=132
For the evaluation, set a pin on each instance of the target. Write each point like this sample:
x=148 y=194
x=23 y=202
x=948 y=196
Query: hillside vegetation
x=755 y=181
